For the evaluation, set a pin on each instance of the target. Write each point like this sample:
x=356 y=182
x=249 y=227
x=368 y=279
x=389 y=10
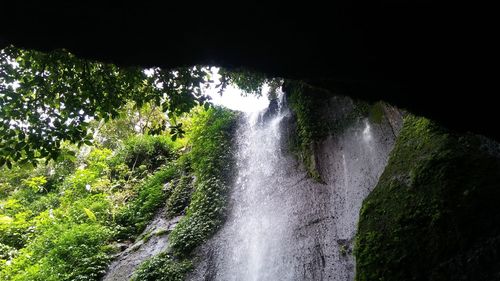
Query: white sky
x=234 y=99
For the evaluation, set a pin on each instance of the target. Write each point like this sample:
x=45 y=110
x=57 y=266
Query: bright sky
x=234 y=99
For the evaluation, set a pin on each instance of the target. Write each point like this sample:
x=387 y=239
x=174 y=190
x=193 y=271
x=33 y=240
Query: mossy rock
x=313 y=108
x=435 y=213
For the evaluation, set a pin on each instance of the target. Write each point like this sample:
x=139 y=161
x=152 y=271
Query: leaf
x=206 y=105
x=90 y=214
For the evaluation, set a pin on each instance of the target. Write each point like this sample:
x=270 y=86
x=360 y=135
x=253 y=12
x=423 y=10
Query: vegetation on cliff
x=61 y=220
x=313 y=123
x=434 y=213
x=211 y=160
x=47 y=99
x=60 y=225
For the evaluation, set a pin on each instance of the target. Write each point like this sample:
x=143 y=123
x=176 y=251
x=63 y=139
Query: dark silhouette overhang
x=415 y=55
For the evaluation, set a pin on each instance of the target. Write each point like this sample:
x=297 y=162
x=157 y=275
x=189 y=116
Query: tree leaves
x=47 y=99
x=176 y=131
x=90 y=214
x=58 y=95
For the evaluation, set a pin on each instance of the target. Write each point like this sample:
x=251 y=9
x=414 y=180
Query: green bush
x=211 y=160
x=162 y=268
x=15 y=230
x=180 y=197
x=63 y=252
x=204 y=215
x=211 y=143
x=151 y=195
x=58 y=223
x=98 y=204
x=45 y=202
x=148 y=151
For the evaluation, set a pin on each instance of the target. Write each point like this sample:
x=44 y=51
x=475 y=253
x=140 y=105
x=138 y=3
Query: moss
x=376 y=113
x=434 y=214
x=151 y=195
x=161 y=232
x=309 y=126
x=343 y=250
x=211 y=158
x=313 y=125
x=180 y=198
x=162 y=268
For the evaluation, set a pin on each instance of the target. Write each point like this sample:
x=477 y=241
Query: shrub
x=162 y=268
x=211 y=160
x=63 y=252
x=150 y=151
x=151 y=195
x=181 y=196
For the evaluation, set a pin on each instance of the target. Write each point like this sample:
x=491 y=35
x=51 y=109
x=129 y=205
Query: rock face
x=434 y=214
x=151 y=242
x=283 y=225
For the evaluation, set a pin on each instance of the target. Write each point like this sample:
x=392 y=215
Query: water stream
x=259 y=227
x=282 y=225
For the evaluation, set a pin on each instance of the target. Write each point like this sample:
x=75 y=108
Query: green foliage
x=162 y=268
x=249 y=82
x=309 y=127
x=211 y=160
x=146 y=120
x=36 y=183
x=434 y=213
x=180 y=197
x=64 y=252
x=151 y=195
x=150 y=151
x=90 y=214
x=17 y=179
x=314 y=123
x=15 y=231
x=91 y=208
x=57 y=224
x=58 y=95
x=58 y=217
x=204 y=215
x=211 y=135
x=45 y=202
x=49 y=98
x=6 y=253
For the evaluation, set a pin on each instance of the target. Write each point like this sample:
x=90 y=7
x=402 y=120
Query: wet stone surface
x=282 y=225
x=151 y=242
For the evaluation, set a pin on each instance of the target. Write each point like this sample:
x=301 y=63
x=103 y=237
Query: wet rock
x=151 y=242
x=283 y=225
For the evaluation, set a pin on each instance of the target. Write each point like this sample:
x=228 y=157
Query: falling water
x=258 y=223
x=282 y=225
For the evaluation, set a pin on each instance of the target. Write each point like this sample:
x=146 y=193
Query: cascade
x=283 y=225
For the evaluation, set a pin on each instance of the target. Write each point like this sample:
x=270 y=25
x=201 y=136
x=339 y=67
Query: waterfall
x=258 y=227
x=281 y=224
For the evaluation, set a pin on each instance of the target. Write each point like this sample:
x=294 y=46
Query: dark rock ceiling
x=424 y=57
